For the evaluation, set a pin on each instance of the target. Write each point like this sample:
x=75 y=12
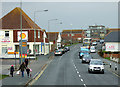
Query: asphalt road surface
x=68 y=70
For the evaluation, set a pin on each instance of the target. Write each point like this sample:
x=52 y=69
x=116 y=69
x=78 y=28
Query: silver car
x=96 y=65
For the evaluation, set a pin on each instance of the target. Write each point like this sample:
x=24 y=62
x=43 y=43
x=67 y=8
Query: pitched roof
x=52 y=35
x=72 y=31
x=12 y=20
x=113 y=37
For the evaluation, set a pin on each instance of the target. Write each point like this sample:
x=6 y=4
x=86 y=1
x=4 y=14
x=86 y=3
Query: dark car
x=67 y=49
x=83 y=51
x=86 y=58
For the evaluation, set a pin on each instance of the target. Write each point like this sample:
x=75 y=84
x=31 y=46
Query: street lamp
x=71 y=33
x=48 y=29
x=35 y=31
x=20 y=61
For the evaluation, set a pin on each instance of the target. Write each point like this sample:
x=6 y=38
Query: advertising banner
x=24 y=35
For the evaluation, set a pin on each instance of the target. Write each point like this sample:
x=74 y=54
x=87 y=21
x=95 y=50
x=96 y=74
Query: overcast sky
x=73 y=15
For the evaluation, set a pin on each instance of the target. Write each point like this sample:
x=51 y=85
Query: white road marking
x=82 y=80
x=76 y=69
x=84 y=85
x=79 y=75
x=77 y=72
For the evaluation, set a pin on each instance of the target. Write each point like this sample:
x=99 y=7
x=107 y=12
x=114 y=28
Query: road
x=68 y=70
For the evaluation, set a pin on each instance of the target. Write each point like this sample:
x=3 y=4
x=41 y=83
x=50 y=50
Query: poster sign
x=112 y=47
x=5 y=40
x=24 y=35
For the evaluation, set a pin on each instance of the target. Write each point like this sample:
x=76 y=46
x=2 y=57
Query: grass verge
x=3 y=76
x=107 y=58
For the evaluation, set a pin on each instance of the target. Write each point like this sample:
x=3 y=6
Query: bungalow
x=10 y=33
x=112 y=45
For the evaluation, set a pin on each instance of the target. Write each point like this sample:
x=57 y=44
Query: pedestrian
x=11 y=70
x=26 y=62
x=28 y=71
x=22 y=68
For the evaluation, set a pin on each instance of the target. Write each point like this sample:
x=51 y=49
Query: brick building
x=55 y=40
x=10 y=32
x=72 y=35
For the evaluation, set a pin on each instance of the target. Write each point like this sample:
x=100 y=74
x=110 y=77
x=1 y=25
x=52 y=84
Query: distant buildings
x=55 y=40
x=71 y=36
x=97 y=31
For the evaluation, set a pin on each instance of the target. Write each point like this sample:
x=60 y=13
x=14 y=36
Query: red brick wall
x=113 y=55
x=30 y=36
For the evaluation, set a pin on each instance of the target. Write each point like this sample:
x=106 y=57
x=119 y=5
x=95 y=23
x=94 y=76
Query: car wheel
x=102 y=72
x=80 y=57
x=89 y=71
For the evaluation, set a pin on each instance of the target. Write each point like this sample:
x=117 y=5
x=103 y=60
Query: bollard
x=110 y=65
x=115 y=67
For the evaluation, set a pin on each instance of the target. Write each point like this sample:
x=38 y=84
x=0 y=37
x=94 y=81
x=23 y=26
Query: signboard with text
x=113 y=47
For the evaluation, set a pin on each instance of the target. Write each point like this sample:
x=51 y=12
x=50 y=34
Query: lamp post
x=35 y=30
x=21 y=30
x=71 y=33
x=48 y=29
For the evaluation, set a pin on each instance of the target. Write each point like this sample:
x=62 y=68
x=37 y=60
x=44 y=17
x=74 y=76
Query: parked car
x=101 y=41
x=83 y=51
x=96 y=65
x=58 y=52
x=92 y=49
x=63 y=50
x=67 y=48
x=86 y=58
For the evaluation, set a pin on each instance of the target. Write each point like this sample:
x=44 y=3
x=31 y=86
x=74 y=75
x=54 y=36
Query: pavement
x=36 y=66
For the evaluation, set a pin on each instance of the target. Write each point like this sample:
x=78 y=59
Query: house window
x=35 y=33
x=39 y=34
x=6 y=33
x=72 y=34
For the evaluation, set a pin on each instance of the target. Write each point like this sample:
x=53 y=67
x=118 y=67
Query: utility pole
x=21 y=28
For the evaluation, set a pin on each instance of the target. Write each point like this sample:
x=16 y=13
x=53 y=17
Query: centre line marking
x=77 y=72
x=82 y=80
x=84 y=85
x=79 y=75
